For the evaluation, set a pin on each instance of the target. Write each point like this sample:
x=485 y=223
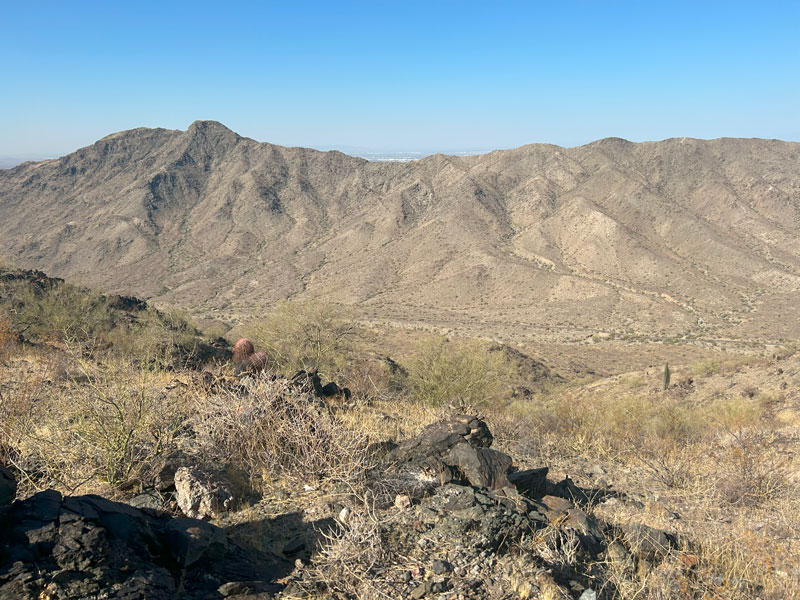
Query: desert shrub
x=346 y=563
x=705 y=368
x=306 y=335
x=105 y=425
x=278 y=433
x=464 y=372
x=369 y=379
x=58 y=312
x=748 y=471
x=159 y=340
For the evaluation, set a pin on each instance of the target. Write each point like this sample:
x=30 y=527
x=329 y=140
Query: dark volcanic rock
x=455 y=450
x=530 y=482
x=87 y=546
x=481 y=466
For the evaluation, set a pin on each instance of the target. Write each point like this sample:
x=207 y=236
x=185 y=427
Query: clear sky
x=399 y=75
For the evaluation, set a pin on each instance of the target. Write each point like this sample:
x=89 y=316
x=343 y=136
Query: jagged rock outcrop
x=454 y=450
x=63 y=548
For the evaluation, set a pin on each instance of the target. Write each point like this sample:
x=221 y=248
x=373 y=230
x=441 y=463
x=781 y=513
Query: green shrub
x=705 y=368
x=462 y=372
x=306 y=335
x=57 y=313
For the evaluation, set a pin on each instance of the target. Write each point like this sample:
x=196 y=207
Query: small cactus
x=258 y=362
x=666 y=376
x=242 y=351
x=246 y=359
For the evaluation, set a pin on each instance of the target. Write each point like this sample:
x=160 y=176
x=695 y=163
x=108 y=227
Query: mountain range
x=681 y=237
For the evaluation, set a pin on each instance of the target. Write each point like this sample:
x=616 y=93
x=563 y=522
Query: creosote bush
x=157 y=340
x=313 y=336
x=463 y=372
x=55 y=313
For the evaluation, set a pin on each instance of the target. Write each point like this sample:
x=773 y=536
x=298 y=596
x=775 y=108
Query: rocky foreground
x=450 y=517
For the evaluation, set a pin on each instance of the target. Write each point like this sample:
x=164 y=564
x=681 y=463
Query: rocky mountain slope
x=665 y=238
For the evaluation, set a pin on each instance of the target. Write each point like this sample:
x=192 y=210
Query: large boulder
x=90 y=547
x=203 y=493
x=454 y=450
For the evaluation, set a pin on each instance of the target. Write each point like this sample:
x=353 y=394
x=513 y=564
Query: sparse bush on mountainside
x=786 y=351
x=56 y=312
x=306 y=335
x=463 y=372
x=157 y=339
x=46 y=310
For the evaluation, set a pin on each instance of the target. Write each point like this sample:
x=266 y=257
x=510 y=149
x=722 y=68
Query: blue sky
x=399 y=75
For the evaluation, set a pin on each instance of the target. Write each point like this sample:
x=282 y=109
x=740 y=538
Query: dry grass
x=713 y=452
x=8 y=337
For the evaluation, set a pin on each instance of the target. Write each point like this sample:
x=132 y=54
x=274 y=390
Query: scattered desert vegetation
x=104 y=395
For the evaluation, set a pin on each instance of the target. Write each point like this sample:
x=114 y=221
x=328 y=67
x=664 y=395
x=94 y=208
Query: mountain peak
x=209 y=127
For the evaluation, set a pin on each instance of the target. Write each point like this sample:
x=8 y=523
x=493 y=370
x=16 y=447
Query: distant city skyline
x=405 y=76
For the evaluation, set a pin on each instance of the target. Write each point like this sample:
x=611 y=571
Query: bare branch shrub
x=276 y=432
x=349 y=555
x=556 y=546
x=109 y=424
